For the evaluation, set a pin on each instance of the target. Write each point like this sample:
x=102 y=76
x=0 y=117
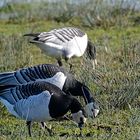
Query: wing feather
x=62 y=35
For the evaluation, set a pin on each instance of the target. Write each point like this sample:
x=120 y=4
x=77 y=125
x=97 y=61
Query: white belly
x=51 y=49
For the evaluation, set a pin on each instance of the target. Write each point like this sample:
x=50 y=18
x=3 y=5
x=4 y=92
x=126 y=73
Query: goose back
x=14 y=93
x=29 y=74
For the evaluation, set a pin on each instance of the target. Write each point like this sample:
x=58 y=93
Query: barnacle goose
x=64 y=43
x=40 y=101
x=57 y=76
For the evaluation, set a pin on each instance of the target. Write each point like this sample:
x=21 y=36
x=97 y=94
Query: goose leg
x=70 y=66
x=29 y=127
x=44 y=126
x=66 y=59
x=59 y=62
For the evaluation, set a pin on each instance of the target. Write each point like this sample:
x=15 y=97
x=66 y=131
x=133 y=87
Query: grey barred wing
x=13 y=93
x=34 y=88
x=68 y=34
x=42 y=71
x=59 y=35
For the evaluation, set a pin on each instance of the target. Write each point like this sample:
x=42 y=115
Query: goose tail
x=10 y=107
x=32 y=34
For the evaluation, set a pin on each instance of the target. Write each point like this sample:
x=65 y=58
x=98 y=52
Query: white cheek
x=89 y=110
x=75 y=117
x=96 y=111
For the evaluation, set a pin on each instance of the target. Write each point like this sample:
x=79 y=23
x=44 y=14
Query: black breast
x=59 y=105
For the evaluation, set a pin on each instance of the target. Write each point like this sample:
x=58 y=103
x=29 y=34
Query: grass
x=122 y=124
x=115 y=81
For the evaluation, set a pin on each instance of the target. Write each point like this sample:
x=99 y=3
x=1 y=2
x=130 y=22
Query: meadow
x=115 y=82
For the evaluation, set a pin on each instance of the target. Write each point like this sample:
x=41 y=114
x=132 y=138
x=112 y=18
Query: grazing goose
x=57 y=76
x=40 y=101
x=64 y=43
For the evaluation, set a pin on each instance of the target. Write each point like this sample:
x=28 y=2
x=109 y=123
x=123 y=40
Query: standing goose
x=57 y=76
x=64 y=43
x=40 y=101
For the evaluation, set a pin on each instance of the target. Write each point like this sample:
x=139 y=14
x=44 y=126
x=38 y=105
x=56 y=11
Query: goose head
x=80 y=118
x=92 y=107
x=78 y=113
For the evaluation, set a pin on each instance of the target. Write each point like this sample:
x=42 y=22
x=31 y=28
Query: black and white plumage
x=64 y=43
x=57 y=76
x=40 y=101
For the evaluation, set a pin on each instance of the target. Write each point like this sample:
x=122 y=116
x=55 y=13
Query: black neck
x=59 y=105
x=87 y=95
x=76 y=88
x=75 y=106
x=72 y=86
x=70 y=82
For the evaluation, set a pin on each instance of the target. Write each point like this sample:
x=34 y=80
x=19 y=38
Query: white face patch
x=91 y=111
x=76 y=117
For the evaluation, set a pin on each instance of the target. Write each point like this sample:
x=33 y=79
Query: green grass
x=115 y=82
x=113 y=124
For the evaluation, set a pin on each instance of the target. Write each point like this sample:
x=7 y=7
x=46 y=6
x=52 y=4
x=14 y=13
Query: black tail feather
x=3 y=87
x=35 y=37
x=32 y=34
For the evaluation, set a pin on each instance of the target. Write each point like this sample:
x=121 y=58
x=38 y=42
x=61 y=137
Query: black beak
x=80 y=125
